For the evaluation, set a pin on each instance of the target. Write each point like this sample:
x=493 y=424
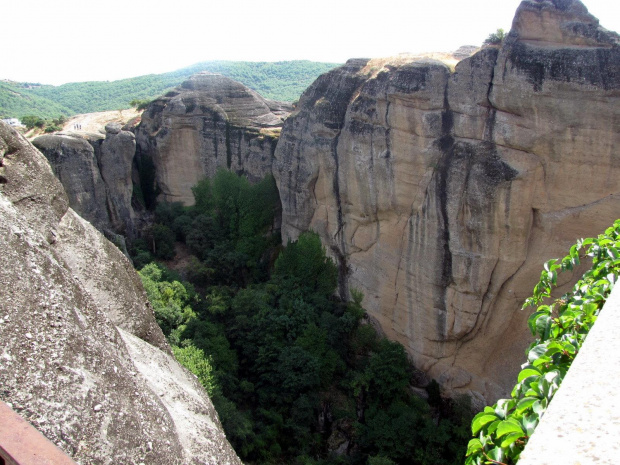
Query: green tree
x=198 y=363
x=163 y=239
x=495 y=38
x=31 y=121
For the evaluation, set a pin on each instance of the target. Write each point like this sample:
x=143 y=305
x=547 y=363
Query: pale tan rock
x=442 y=193
x=207 y=123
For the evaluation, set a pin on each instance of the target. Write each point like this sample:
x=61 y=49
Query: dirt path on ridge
x=95 y=122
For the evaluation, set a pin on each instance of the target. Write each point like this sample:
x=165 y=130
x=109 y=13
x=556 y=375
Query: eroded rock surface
x=441 y=193
x=74 y=163
x=96 y=172
x=116 y=165
x=208 y=122
x=78 y=357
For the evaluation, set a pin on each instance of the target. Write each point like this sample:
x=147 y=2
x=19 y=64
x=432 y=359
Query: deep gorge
x=437 y=189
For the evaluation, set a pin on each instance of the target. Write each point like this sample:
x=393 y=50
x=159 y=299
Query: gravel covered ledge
x=582 y=423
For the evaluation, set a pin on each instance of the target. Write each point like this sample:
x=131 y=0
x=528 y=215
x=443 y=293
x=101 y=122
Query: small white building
x=13 y=122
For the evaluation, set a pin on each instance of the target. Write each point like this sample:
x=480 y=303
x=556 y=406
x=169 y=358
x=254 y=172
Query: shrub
x=560 y=327
x=198 y=363
x=495 y=38
x=52 y=128
x=163 y=241
x=140 y=104
x=32 y=121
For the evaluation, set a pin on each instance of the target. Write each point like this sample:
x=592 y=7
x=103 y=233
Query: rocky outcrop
x=82 y=358
x=442 y=192
x=116 y=166
x=96 y=172
x=74 y=163
x=208 y=122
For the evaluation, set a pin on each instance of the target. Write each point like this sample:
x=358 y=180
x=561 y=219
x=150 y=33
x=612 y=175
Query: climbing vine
x=560 y=327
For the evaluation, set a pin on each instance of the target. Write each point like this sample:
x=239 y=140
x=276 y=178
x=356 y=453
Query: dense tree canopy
x=292 y=370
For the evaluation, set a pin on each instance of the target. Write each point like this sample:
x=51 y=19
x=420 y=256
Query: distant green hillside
x=283 y=81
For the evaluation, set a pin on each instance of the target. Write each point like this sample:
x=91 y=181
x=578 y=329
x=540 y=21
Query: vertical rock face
x=208 y=122
x=96 y=173
x=82 y=358
x=74 y=163
x=442 y=192
x=115 y=164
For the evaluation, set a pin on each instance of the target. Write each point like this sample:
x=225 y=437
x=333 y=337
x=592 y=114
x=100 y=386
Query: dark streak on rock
x=446 y=145
x=599 y=67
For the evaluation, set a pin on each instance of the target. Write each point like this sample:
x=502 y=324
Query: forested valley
x=296 y=375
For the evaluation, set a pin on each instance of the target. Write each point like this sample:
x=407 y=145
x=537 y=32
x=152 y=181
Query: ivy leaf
x=509 y=426
x=525 y=404
x=509 y=439
x=481 y=420
x=529 y=423
x=496 y=454
x=474 y=446
x=492 y=427
x=543 y=326
x=536 y=352
x=532 y=320
x=527 y=372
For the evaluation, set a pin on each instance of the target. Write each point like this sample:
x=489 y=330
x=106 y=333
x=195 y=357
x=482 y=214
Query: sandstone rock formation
x=115 y=158
x=82 y=358
x=74 y=163
x=96 y=173
x=208 y=122
x=441 y=193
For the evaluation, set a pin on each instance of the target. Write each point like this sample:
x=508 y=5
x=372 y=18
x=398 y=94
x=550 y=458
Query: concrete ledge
x=582 y=423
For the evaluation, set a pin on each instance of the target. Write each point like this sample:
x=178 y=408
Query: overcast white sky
x=58 y=41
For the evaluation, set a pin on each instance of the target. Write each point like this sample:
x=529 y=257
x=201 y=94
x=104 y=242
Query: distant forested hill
x=284 y=81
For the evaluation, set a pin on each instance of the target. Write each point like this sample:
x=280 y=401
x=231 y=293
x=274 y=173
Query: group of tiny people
x=77 y=126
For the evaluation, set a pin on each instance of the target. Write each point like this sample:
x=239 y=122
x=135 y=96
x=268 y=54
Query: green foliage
x=140 y=104
x=52 y=128
x=277 y=350
x=560 y=327
x=163 y=241
x=495 y=38
x=284 y=81
x=170 y=300
x=18 y=101
x=303 y=265
x=198 y=363
x=32 y=121
x=230 y=228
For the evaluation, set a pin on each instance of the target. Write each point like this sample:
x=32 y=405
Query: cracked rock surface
x=442 y=191
x=77 y=332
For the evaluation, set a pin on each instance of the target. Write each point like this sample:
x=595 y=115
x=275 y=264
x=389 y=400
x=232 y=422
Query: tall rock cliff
x=442 y=192
x=96 y=172
x=82 y=358
x=208 y=122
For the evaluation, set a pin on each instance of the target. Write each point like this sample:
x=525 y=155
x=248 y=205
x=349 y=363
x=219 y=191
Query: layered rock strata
x=82 y=358
x=442 y=192
x=208 y=122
